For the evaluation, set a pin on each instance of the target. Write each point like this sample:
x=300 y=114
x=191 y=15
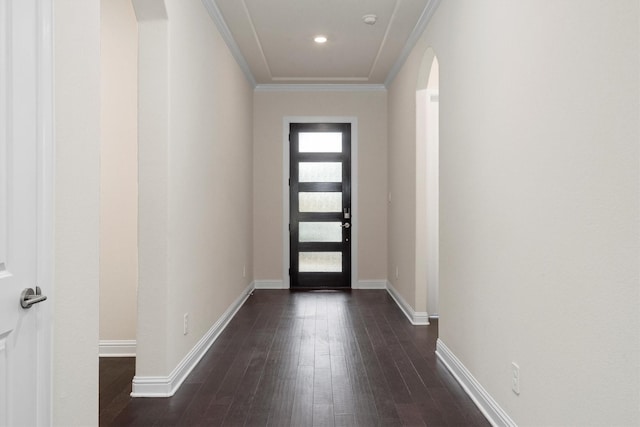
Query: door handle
x=346 y=225
x=29 y=297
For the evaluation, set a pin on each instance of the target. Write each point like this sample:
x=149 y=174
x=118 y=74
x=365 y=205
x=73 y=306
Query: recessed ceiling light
x=320 y=39
x=370 y=19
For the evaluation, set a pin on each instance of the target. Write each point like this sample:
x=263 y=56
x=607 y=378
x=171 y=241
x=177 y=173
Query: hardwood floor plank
x=243 y=400
x=232 y=379
x=341 y=390
x=322 y=387
x=410 y=415
x=364 y=407
x=282 y=403
x=323 y=415
x=114 y=391
x=345 y=420
x=140 y=412
x=177 y=406
x=259 y=411
x=215 y=414
x=302 y=411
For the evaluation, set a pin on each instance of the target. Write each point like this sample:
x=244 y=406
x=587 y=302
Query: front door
x=25 y=114
x=320 y=203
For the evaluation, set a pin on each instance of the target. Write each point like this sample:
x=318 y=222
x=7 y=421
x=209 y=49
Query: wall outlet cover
x=515 y=378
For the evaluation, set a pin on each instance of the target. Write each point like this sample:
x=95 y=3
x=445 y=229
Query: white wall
x=119 y=171
x=269 y=110
x=195 y=180
x=77 y=211
x=539 y=191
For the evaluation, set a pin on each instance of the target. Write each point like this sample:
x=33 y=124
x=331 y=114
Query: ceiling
x=272 y=40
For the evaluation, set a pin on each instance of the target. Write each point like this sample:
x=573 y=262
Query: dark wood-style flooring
x=304 y=359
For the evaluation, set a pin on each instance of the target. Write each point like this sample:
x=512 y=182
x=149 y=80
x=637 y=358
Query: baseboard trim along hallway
x=415 y=317
x=360 y=284
x=167 y=386
x=117 y=348
x=483 y=400
x=269 y=284
x=371 y=284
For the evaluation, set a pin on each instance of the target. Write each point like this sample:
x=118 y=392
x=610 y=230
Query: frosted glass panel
x=320 y=262
x=320 y=142
x=319 y=172
x=320 y=232
x=320 y=202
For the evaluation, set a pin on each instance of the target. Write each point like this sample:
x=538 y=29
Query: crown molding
x=218 y=19
x=320 y=88
x=421 y=25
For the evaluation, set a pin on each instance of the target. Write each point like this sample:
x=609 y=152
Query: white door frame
x=286 y=280
x=46 y=188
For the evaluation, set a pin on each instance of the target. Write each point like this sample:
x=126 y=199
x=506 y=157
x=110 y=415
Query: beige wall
x=195 y=181
x=270 y=108
x=539 y=194
x=118 y=171
x=153 y=118
x=210 y=185
x=77 y=212
x=402 y=222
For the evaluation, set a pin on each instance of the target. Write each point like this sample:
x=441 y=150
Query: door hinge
x=289 y=272
x=289 y=227
x=289 y=182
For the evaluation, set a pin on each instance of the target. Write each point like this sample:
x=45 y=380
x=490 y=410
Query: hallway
x=305 y=358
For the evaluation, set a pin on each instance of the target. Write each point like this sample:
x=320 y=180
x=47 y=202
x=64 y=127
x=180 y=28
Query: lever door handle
x=29 y=297
x=346 y=225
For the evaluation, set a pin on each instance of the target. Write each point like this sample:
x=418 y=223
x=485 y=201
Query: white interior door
x=25 y=124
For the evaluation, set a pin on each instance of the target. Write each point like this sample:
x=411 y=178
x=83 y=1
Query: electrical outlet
x=515 y=378
x=185 y=329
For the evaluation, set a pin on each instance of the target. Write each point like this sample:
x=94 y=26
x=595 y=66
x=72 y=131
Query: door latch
x=29 y=297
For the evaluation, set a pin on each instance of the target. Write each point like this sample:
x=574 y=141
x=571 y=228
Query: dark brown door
x=320 y=203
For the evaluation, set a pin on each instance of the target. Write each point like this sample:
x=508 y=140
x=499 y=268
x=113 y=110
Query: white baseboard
x=167 y=386
x=117 y=348
x=361 y=284
x=487 y=405
x=269 y=284
x=370 y=284
x=415 y=317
